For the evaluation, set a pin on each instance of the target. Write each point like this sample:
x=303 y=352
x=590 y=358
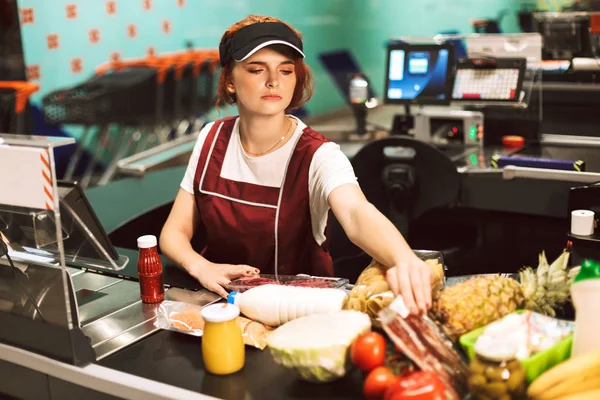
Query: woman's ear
x=230 y=87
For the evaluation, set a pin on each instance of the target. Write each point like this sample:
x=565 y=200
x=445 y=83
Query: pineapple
x=481 y=300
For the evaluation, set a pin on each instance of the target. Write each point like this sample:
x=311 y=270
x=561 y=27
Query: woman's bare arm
x=177 y=233
x=370 y=230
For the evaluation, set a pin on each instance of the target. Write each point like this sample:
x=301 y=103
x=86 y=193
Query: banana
x=589 y=395
x=570 y=369
x=574 y=385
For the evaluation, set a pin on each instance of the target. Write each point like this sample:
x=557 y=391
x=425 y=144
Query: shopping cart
x=193 y=96
x=196 y=89
x=14 y=96
x=142 y=98
x=124 y=97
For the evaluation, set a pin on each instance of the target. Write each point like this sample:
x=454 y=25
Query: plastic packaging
x=150 y=271
x=222 y=342
x=585 y=292
x=528 y=331
x=275 y=305
x=371 y=293
x=242 y=284
x=180 y=317
x=254 y=333
x=187 y=318
x=421 y=340
x=546 y=341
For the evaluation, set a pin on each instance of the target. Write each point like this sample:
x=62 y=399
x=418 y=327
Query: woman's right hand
x=215 y=277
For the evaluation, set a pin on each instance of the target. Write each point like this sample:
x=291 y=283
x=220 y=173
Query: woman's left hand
x=412 y=280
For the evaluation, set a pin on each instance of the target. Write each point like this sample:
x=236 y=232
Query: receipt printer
x=444 y=126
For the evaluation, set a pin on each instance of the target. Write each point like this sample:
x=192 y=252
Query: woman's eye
x=287 y=72
x=255 y=71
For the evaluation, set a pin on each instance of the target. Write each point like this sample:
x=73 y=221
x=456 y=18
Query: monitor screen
x=419 y=74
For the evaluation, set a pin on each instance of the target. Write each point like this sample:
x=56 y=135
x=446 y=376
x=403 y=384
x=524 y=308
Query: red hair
x=304 y=80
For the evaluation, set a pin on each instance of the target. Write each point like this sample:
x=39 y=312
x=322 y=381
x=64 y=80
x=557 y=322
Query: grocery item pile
x=487 y=337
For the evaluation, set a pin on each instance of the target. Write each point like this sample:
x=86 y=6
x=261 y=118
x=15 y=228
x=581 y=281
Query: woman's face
x=264 y=83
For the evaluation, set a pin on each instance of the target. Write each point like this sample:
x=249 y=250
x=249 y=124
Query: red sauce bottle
x=150 y=270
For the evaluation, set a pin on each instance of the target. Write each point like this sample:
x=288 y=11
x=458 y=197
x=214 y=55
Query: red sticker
x=94 y=36
x=71 y=11
x=76 y=65
x=131 y=30
x=33 y=72
x=151 y=51
x=111 y=7
x=27 y=16
x=52 y=41
x=181 y=3
x=166 y=26
x=115 y=56
x=147 y=5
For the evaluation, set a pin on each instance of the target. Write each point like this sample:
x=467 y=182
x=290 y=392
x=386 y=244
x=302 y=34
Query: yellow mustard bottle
x=222 y=342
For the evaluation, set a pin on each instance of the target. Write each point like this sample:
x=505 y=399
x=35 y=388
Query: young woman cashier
x=263 y=183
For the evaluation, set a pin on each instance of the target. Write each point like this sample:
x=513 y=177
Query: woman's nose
x=272 y=81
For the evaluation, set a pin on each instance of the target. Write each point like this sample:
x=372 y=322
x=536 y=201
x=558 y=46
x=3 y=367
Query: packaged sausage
x=421 y=340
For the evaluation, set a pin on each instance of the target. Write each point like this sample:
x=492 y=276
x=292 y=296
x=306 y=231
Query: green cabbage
x=317 y=346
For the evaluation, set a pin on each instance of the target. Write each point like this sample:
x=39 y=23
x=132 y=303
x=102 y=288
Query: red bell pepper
x=421 y=385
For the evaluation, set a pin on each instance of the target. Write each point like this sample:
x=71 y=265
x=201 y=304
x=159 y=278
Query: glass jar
x=496 y=373
x=150 y=271
x=222 y=341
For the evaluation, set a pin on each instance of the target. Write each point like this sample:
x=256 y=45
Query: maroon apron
x=265 y=227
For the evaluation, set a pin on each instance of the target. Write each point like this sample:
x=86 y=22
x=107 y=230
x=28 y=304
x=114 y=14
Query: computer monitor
x=419 y=74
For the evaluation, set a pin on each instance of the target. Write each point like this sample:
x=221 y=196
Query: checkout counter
x=112 y=348
x=73 y=324
x=542 y=192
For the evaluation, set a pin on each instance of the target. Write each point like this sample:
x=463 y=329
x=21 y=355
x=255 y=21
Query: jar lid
x=589 y=270
x=221 y=312
x=146 y=241
x=495 y=349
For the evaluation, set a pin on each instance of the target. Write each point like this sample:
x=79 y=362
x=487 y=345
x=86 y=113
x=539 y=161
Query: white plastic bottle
x=274 y=305
x=585 y=293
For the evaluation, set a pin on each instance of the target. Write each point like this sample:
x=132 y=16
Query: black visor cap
x=252 y=38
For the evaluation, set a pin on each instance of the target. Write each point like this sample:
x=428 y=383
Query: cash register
x=421 y=77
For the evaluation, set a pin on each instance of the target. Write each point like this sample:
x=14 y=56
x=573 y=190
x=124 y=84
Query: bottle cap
x=146 y=241
x=589 y=270
x=221 y=312
x=231 y=297
x=495 y=349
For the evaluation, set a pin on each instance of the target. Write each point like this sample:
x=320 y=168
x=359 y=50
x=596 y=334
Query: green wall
x=362 y=26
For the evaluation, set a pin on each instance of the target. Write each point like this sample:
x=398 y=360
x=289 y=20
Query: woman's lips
x=271 y=97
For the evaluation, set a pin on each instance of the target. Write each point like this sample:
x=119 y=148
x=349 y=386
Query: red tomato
x=368 y=351
x=378 y=380
x=421 y=385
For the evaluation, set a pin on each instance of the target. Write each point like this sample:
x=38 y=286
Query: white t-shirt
x=329 y=169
